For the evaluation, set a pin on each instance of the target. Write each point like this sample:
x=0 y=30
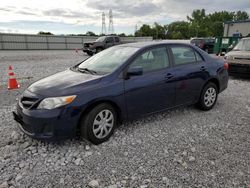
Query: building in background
x=237 y=28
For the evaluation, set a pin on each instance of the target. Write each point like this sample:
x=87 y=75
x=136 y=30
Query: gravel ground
x=179 y=148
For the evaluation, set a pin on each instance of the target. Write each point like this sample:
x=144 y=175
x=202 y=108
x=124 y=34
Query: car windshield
x=100 y=39
x=243 y=45
x=210 y=40
x=108 y=60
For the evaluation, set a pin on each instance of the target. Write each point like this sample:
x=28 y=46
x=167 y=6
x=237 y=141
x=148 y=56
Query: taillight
x=226 y=66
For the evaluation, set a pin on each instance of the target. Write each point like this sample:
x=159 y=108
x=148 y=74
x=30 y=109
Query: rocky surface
x=179 y=148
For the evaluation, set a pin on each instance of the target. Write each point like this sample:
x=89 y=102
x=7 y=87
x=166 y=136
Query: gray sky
x=79 y=16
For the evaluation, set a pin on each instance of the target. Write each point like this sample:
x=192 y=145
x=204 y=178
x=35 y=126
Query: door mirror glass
x=135 y=71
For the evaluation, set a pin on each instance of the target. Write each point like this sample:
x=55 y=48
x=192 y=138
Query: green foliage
x=90 y=33
x=178 y=30
x=122 y=35
x=199 y=24
x=44 y=33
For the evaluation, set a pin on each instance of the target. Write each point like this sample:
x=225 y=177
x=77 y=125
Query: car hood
x=64 y=83
x=89 y=42
x=240 y=54
x=92 y=42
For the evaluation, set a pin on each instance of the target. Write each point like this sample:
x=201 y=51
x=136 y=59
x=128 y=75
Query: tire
x=208 y=97
x=98 y=50
x=90 y=53
x=95 y=127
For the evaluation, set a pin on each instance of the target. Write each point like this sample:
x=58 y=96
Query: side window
x=183 y=55
x=110 y=40
x=153 y=59
x=117 y=39
x=198 y=57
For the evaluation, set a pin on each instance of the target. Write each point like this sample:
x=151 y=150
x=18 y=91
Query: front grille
x=28 y=102
x=242 y=58
x=239 y=68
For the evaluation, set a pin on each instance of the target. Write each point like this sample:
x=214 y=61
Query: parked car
x=118 y=84
x=100 y=44
x=239 y=59
x=206 y=44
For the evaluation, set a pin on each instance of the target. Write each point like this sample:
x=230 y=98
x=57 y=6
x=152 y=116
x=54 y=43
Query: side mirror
x=135 y=71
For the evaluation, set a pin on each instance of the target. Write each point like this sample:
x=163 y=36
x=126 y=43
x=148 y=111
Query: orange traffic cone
x=12 y=80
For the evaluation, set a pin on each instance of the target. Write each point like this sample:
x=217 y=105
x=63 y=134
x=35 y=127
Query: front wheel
x=99 y=124
x=90 y=53
x=208 y=97
x=98 y=50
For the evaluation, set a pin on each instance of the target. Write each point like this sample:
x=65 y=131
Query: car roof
x=144 y=45
x=153 y=43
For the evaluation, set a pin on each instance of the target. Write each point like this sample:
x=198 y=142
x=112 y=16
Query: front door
x=109 y=42
x=153 y=90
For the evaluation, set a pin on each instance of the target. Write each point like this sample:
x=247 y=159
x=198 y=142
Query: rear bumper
x=47 y=125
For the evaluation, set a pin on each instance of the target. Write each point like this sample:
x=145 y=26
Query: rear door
x=190 y=73
x=153 y=90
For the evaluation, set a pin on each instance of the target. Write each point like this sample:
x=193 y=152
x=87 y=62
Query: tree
x=122 y=35
x=241 y=15
x=178 y=30
x=144 y=31
x=90 y=33
x=212 y=24
x=159 y=32
x=44 y=33
x=199 y=24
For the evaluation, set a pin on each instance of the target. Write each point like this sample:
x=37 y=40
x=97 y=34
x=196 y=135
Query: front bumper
x=239 y=69
x=47 y=125
x=88 y=50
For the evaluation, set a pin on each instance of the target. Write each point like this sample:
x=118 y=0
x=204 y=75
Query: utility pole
x=111 y=24
x=103 y=25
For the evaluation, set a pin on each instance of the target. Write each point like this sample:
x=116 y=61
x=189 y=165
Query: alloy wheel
x=210 y=96
x=103 y=124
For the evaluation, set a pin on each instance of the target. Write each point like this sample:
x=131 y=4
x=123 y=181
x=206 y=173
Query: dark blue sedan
x=121 y=83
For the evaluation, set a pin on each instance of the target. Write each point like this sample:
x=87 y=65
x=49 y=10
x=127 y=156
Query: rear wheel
x=208 y=97
x=99 y=124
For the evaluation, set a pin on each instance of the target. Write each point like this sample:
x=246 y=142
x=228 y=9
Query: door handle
x=169 y=76
x=203 y=68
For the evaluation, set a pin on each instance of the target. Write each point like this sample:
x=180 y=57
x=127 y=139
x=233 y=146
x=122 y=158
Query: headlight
x=228 y=57
x=55 y=102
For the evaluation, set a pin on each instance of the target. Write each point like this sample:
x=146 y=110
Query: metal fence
x=54 y=42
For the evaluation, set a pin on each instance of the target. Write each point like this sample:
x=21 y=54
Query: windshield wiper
x=86 y=70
